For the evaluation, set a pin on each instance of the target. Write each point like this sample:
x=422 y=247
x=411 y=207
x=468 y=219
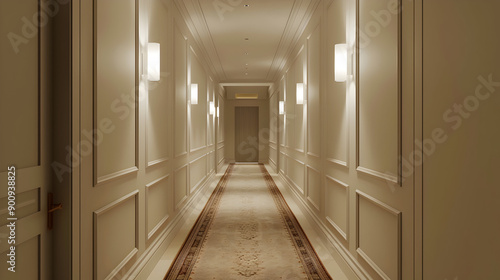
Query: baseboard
x=349 y=265
x=145 y=265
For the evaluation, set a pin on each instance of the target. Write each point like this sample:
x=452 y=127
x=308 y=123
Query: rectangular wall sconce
x=217 y=115
x=340 y=62
x=194 y=94
x=300 y=93
x=212 y=108
x=153 y=62
x=282 y=107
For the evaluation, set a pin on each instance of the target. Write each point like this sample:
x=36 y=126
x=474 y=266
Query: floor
x=168 y=257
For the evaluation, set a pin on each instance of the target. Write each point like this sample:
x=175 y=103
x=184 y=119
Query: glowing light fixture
x=282 y=107
x=212 y=108
x=217 y=113
x=194 y=94
x=340 y=62
x=300 y=93
x=153 y=62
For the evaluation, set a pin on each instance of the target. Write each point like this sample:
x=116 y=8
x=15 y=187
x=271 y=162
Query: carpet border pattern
x=185 y=260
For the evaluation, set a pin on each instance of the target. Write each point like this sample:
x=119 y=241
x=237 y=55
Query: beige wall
x=161 y=152
x=229 y=118
x=338 y=152
x=461 y=191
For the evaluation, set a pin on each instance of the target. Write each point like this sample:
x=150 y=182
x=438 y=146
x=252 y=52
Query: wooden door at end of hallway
x=246 y=134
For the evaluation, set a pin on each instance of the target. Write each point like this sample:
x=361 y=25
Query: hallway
x=376 y=119
x=247 y=231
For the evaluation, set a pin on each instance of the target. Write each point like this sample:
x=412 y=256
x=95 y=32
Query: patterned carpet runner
x=247 y=231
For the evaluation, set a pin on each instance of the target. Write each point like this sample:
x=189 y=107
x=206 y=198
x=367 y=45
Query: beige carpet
x=247 y=231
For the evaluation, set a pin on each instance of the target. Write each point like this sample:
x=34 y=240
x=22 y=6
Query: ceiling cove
x=247 y=41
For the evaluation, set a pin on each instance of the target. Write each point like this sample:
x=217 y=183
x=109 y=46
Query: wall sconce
x=153 y=62
x=340 y=62
x=212 y=108
x=282 y=107
x=194 y=94
x=300 y=93
x=217 y=115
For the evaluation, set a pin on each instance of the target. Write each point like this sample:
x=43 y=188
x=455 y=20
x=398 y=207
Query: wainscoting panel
x=115 y=236
x=198 y=132
x=115 y=80
x=295 y=171
x=379 y=236
x=336 y=205
x=314 y=187
x=313 y=93
x=197 y=172
x=157 y=204
x=180 y=186
x=378 y=92
x=180 y=108
x=158 y=130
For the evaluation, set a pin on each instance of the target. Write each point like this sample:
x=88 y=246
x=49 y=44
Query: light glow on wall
x=340 y=62
x=300 y=93
x=194 y=94
x=282 y=107
x=212 y=108
x=153 y=62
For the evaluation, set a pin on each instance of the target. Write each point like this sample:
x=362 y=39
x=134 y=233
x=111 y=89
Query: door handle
x=51 y=208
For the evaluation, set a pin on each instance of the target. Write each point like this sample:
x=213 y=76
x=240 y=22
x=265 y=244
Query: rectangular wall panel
x=379 y=236
x=197 y=172
x=314 y=187
x=157 y=204
x=19 y=86
x=296 y=173
x=336 y=126
x=180 y=108
x=336 y=210
x=198 y=132
x=159 y=96
x=313 y=93
x=378 y=91
x=115 y=88
x=300 y=69
x=115 y=235
x=180 y=186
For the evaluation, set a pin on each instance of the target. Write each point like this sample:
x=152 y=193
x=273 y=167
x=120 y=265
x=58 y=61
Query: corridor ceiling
x=247 y=41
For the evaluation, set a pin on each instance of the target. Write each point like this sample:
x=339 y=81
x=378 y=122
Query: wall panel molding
x=315 y=201
x=99 y=214
x=397 y=215
x=99 y=76
x=330 y=220
x=179 y=198
x=160 y=224
x=397 y=86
